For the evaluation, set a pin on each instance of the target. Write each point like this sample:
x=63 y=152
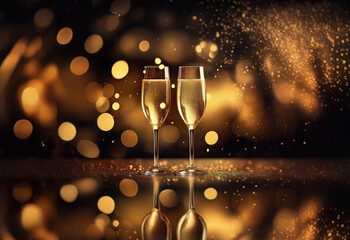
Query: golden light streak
x=7 y=67
x=33 y=47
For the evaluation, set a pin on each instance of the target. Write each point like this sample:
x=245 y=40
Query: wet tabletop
x=236 y=199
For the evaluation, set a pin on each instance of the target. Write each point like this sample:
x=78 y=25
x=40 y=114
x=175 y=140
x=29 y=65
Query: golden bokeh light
x=23 y=129
x=174 y=46
x=108 y=90
x=64 y=36
x=79 y=65
x=115 y=106
x=67 y=131
x=120 y=69
x=128 y=43
x=128 y=187
x=211 y=137
x=86 y=186
x=157 y=60
x=170 y=133
x=213 y=47
x=207 y=50
x=162 y=105
x=210 y=193
x=93 y=43
x=129 y=138
x=88 y=149
x=161 y=66
x=69 y=193
x=31 y=216
x=115 y=223
x=117 y=95
x=93 y=92
x=106 y=204
x=120 y=7
x=92 y=232
x=198 y=49
x=30 y=97
x=102 y=221
x=102 y=104
x=144 y=46
x=22 y=192
x=111 y=23
x=105 y=122
x=168 y=198
x=43 y=17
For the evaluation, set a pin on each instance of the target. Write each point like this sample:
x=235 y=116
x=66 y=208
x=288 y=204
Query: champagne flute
x=156 y=225
x=191 y=102
x=155 y=100
x=191 y=225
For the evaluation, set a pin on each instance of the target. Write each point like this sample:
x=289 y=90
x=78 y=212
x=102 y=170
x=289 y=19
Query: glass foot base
x=191 y=171
x=154 y=171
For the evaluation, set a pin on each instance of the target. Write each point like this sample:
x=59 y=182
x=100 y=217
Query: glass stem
x=191 y=192
x=156 y=147
x=191 y=141
x=155 y=192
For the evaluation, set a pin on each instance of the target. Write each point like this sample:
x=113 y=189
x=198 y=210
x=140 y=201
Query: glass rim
x=190 y=66
x=155 y=67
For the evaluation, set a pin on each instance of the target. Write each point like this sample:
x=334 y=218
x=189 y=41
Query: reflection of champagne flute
x=191 y=225
x=155 y=102
x=191 y=102
x=155 y=225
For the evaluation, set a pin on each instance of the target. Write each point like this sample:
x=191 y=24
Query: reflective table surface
x=237 y=199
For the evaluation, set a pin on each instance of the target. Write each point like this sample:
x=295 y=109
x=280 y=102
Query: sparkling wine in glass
x=191 y=225
x=155 y=100
x=156 y=225
x=191 y=102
